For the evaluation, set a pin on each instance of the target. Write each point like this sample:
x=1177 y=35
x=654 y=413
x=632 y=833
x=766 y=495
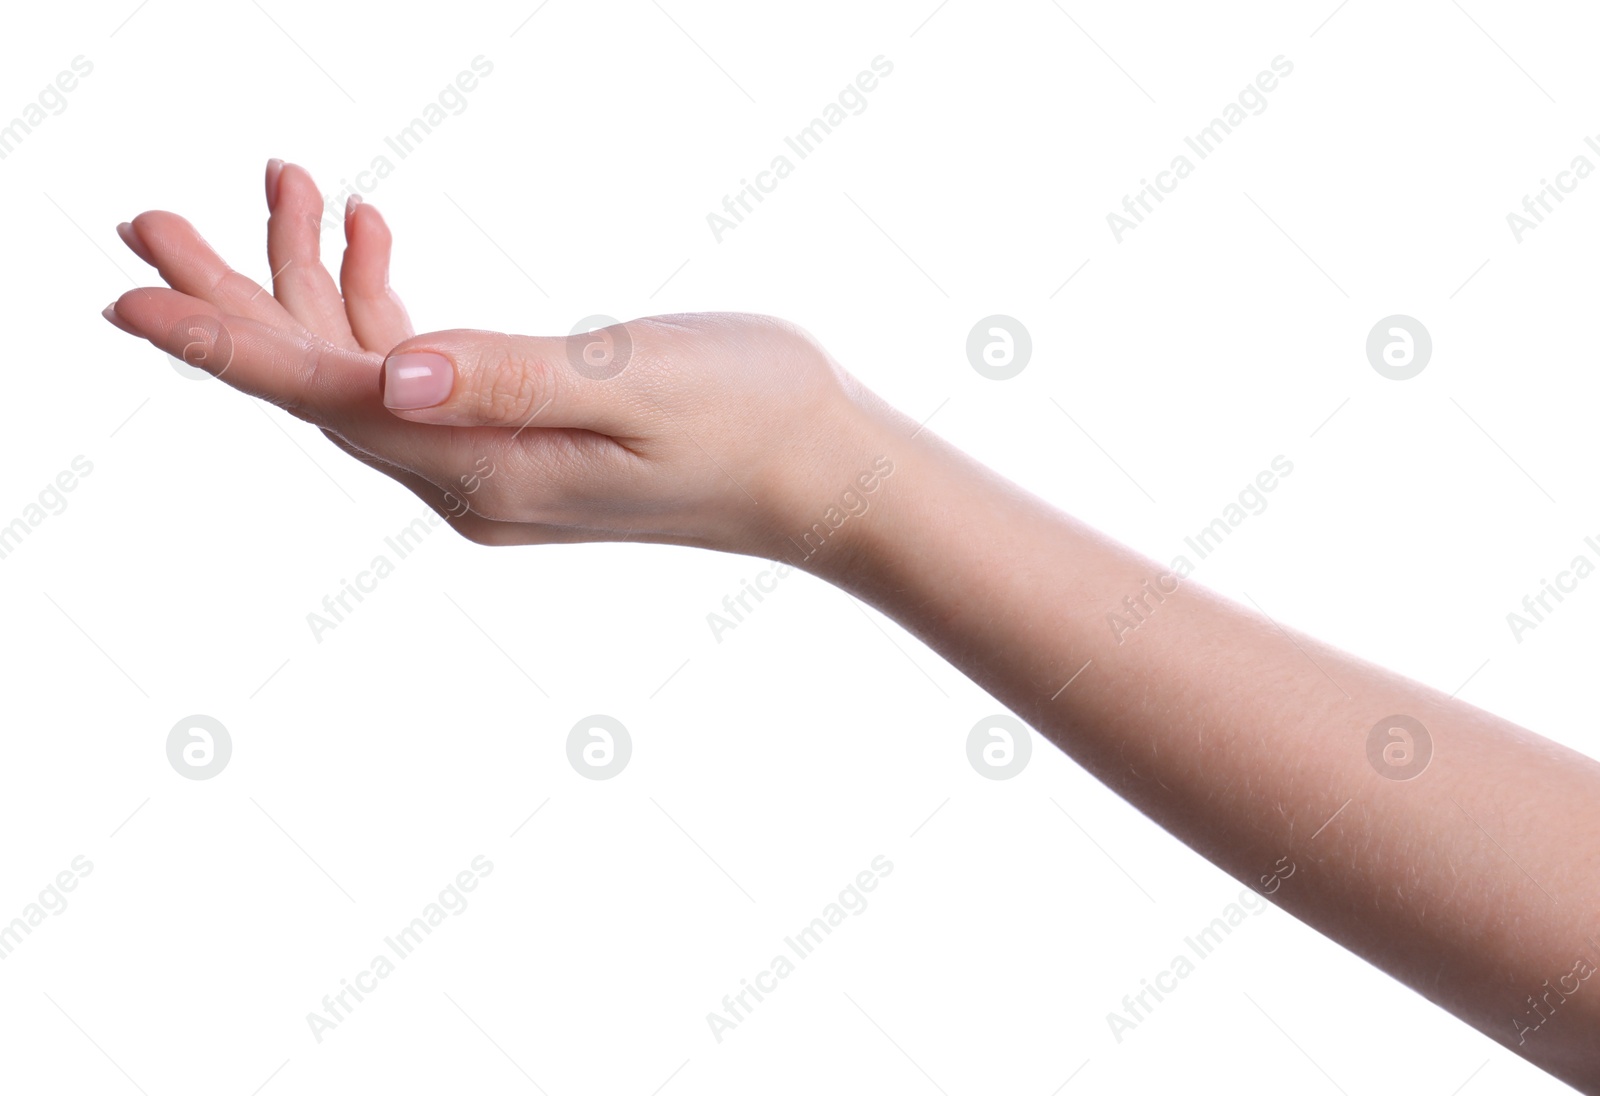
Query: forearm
x=1474 y=882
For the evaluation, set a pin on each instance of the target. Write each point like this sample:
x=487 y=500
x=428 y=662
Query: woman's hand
x=726 y=431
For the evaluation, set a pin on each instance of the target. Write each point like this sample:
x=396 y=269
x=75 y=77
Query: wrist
x=835 y=512
x=893 y=486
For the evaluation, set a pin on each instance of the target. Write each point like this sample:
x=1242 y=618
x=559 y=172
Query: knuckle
x=310 y=372
x=510 y=387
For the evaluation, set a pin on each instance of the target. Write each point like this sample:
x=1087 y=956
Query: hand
x=726 y=431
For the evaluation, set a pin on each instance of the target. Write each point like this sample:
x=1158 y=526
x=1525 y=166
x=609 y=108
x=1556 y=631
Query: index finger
x=307 y=376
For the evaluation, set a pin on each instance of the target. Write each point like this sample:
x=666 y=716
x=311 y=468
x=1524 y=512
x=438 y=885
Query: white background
x=769 y=768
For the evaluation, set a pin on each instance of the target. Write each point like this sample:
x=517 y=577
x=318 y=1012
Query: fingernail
x=135 y=245
x=115 y=320
x=274 y=169
x=350 y=205
x=416 y=380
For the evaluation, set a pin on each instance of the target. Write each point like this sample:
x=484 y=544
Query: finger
x=135 y=245
x=287 y=366
x=485 y=378
x=377 y=318
x=335 y=388
x=316 y=381
x=116 y=321
x=274 y=169
x=188 y=264
x=294 y=249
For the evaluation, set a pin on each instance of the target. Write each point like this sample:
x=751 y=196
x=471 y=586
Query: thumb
x=488 y=378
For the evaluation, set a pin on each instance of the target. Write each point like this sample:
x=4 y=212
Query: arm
x=1474 y=882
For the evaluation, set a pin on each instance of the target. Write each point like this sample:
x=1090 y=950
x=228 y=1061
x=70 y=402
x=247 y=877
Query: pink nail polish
x=274 y=170
x=135 y=245
x=416 y=380
x=110 y=313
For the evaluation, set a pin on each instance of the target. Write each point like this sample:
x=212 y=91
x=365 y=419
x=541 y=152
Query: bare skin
x=1476 y=882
